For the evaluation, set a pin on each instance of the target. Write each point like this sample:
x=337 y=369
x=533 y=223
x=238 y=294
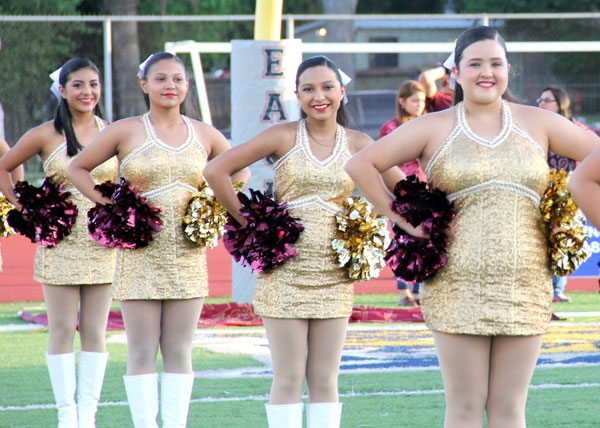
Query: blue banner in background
x=590 y=267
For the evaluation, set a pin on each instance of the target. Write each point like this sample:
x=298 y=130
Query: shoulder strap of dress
x=99 y=123
x=190 y=128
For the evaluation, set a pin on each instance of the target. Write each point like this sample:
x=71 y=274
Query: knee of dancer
x=466 y=406
x=289 y=380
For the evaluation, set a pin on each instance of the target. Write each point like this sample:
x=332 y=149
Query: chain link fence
x=33 y=48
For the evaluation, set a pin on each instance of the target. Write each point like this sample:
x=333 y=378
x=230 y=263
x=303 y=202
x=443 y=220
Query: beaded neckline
x=154 y=138
x=340 y=136
x=507 y=124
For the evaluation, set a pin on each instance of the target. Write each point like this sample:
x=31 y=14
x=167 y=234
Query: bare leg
x=288 y=339
x=142 y=320
x=325 y=344
x=94 y=307
x=512 y=364
x=62 y=303
x=464 y=362
x=179 y=322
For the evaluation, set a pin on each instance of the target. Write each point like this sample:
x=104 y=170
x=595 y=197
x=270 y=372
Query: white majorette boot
x=284 y=415
x=142 y=395
x=90 y=378
x=62 y=376
x=323 y=415
x=175 y=393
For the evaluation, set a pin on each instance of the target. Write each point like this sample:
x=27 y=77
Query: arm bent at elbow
x=584 y=185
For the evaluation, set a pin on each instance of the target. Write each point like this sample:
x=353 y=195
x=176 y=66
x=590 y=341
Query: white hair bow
x=448 y=64
x=142 y=66
x=55 y=76
x=345 y=80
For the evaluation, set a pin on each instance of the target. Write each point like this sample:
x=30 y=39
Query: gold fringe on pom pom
x=361 y=240
x=567 y=242
x=205 y=217
x=5 y=207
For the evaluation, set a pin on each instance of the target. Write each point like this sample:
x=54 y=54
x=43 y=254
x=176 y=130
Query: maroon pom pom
x=128 y=222
x=47 y=216
x=416 y=259
x=266 y=241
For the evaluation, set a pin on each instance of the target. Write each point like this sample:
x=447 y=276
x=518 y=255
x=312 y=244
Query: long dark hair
x=63 y=120
x=318 y=61
x=562 y=100
x=466 y=39
x=154 y=58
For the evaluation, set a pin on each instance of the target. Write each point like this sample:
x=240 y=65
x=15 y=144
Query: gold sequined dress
x=498 y=279
x=171 y=266
x=77 y=259
x=311 y=285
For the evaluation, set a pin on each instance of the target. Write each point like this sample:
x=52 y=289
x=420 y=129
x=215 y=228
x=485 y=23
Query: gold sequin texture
x=361 y=240
x=312 y=285
x=5 y=207
x=77 y=259
x=498 y=279
x=5 y=229
x=564 y=222
x=205 y=217
x=171 y=266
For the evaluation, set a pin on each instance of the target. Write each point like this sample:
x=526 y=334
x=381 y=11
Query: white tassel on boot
x=92 y=366
x=175 y=393
x=284 y=415
x=62 y=376
x=142 y=395
x=323 y=415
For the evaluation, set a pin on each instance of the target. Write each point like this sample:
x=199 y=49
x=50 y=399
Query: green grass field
x=559 y=397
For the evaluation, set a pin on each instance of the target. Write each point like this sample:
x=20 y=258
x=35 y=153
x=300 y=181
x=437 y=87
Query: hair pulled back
x=63 y=120
x=466 y=39
x=153 y=59
x=319 y=61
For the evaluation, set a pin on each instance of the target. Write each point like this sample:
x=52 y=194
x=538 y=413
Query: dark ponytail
x=63 y=120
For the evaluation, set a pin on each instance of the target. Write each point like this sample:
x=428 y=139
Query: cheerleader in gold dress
x=160 y=287
x=305 y=303
x=77 y=272
x=490 y=304
x=17 y=174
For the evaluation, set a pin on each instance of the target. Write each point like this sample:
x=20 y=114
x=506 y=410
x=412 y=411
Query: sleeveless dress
x=171 y=266
x=77 y=259
x=498 y=279
x=311 y=285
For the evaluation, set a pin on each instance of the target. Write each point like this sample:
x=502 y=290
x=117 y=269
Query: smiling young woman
x=77 y=273
x=161 y=287
x=490 y=304
x=305 y=303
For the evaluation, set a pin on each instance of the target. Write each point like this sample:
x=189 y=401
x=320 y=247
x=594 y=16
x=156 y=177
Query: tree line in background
x=37 y=49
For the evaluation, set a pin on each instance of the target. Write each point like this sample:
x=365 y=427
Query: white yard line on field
x=346 y=394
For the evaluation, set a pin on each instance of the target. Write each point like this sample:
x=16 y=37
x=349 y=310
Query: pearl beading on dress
x=498 y=184
x=176 y=185
x=314 y=200
x=507 y=126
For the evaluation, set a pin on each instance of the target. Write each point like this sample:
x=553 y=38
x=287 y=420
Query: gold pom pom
x=361 y=240
x=5 y=207
x=567 y=242
x=205 y=217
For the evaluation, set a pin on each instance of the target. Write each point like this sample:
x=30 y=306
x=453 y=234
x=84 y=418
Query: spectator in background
x=442 y=98
x=410 y=103
x=556 y=99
